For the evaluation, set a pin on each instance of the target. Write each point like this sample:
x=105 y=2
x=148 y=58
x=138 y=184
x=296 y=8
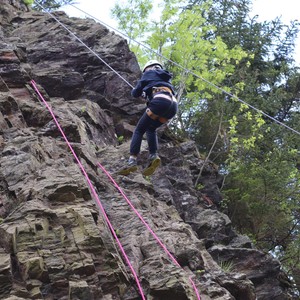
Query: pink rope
x=195 y=288
x=98 y=202
x=148 y=227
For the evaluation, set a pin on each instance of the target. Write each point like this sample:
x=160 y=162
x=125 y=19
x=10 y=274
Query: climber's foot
x=154 y=163
x=130 y=167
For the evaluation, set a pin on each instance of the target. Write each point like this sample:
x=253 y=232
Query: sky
x=266 y=10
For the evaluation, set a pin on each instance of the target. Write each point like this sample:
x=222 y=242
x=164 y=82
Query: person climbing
x=154 y=85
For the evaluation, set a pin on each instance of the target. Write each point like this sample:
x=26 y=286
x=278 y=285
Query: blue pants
x=161 y=107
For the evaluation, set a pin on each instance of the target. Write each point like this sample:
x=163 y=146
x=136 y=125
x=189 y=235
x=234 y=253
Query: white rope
x=84 y=44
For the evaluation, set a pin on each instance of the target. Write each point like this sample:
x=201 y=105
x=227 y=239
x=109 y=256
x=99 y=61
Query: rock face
x=55 y=243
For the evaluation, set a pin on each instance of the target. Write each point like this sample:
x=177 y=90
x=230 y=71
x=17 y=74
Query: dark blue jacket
x=150 y=79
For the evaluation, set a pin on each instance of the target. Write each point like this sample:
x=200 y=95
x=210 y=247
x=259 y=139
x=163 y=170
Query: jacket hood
x=163 y=74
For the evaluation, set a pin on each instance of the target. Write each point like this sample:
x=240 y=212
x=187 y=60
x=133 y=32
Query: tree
x=263 y=178
x=132 y=18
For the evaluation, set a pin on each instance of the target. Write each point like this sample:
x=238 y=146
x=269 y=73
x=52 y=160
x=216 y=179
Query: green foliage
x=121 y=139
x=262 y=185
x=264 y=203
x=132 y=18
x=290 y=256
x=117 y=232
x=28 y=2
x=226 y=266
x=50 y=4
x=244 y=133
x=199 y=186
x=148 y=178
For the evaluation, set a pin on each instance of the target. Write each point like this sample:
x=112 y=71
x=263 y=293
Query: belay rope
x=148 y=227
x=99 y=204
x=96 y=197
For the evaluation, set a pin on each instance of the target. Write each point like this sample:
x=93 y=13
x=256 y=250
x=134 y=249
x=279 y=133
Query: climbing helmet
x=151 y=63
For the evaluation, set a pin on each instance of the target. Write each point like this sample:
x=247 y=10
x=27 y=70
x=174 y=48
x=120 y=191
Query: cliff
x=55 y=243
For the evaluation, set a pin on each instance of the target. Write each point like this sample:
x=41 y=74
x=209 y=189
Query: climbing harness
x=155 y=117
x=96 y=197
x=161 y=92
x=159 y=89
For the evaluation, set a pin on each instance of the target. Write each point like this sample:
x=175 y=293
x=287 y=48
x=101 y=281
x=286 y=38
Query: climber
x=155 y=85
